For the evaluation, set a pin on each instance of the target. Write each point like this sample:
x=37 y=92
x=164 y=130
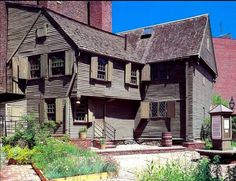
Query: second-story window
x=34 y=66
x=101 y=73
x=133 y=76
x=51 y=113
x=57 y=63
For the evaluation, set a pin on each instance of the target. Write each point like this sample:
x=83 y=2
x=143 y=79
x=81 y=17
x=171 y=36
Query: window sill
x=133 y=85
x=100 y=81
x=82 y=122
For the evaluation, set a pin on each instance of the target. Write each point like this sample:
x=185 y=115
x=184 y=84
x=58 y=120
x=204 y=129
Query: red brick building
x=225 y=54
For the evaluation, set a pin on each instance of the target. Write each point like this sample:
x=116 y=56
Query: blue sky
x=134 y=14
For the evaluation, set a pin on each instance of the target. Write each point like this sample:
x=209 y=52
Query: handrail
x=108 y=131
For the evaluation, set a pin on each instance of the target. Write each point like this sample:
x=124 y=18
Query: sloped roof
x=221 y=109
x=169 y=41
x=94 y=40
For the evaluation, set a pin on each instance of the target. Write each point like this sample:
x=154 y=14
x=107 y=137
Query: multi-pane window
x=101 y=73
x=51 y=113
x=57 y=63
x=157 y=109
x=80 y=112
x=34 y=66
x=133 y=76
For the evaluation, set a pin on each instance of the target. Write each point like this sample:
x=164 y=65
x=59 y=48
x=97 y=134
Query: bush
x=21 y=155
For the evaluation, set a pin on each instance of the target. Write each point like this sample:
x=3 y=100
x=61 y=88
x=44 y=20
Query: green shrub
x=217 y=100
x=21 y=155
x=175 y=171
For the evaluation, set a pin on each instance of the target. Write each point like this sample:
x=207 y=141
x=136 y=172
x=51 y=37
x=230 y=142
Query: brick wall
x=225 y=53
x=3 y=47
x=73 y=9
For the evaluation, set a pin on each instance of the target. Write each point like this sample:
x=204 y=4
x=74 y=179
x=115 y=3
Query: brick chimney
x=100 y=14
x=3 y=45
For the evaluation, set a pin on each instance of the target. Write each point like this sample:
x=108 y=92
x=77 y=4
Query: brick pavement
x=18 y=173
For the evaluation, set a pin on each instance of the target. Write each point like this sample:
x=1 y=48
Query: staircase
x=107 y=132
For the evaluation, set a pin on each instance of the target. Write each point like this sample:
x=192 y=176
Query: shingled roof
x=169 y=41
x=93 y=40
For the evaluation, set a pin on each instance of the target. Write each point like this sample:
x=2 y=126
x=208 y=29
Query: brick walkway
x=18 y=173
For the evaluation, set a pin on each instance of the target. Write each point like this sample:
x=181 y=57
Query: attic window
x=147 y=32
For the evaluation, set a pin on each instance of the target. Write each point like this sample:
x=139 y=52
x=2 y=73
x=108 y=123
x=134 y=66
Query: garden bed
x=89 y=177
x=55 y=158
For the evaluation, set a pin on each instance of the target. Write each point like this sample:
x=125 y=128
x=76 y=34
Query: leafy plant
x=83 y=130
x=21 y=155
x=102 y=141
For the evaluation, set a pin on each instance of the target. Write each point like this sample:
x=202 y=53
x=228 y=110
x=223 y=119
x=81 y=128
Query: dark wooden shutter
x=44 y=65
x=42 y=108
x=69 y=60
x=94 y=67
x=127 y=73
x=146 y=73
x=60 y=103
x=109 y=70
x=171 y=109
x=145 y=109
x=23 y=68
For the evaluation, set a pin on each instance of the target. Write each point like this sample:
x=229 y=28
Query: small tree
x=217 y=100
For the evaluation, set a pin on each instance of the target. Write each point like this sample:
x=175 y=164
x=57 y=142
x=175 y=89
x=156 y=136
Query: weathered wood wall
x=117 y=88
x=202 y=96
x=172 y=89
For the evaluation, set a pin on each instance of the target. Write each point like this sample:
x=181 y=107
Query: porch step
x=109 y=143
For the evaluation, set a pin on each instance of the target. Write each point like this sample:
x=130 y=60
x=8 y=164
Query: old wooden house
x=135 y=84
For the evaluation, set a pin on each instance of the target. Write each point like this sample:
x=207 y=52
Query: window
x=34 y=66
x=80 y=111
x=51 y=113
x=147 y=33
x=158 y=109
x=57 y=63
x=101 y=73
x=133 y=79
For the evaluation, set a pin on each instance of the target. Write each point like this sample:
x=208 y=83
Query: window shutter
x=145 y=106
x=138 y=77
x=171 y=109
x=127 y=73
x=42 y=112
x=15 y=67
x=146 y=73
x=94 y=67
x=23 y=68
x=59 y=110
x=43 y=65
x=109 y=70
x=69 y=60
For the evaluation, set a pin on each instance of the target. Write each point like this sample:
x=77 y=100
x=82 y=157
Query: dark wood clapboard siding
x=168 y=90
x=54 y=41
x=121 y=115
x=19 y=21
x=202 y=93
x=117 y=88
x=207 y=50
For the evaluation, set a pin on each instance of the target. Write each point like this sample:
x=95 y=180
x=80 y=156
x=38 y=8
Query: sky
x=128 y=15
